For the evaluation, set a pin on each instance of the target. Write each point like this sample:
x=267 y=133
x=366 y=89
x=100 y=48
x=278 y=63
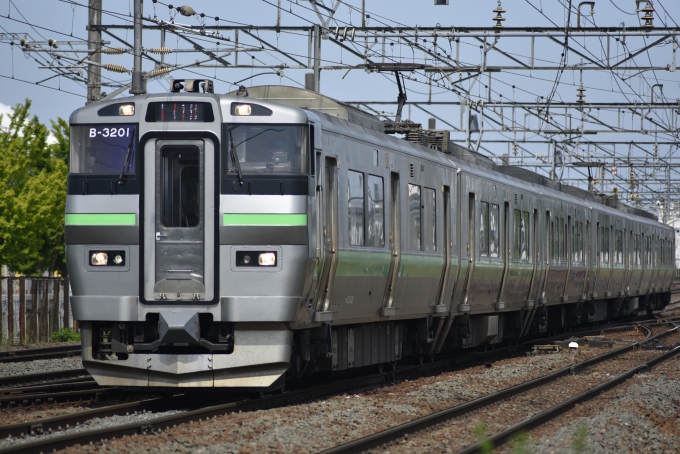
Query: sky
x=66 y=19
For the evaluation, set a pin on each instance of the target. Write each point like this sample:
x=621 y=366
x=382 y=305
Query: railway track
x=428 y=421
x=59 y=441
x=32 y=354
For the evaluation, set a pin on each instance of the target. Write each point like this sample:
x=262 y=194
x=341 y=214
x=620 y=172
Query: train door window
x=375 y=207
x=494 y=237
x=414 y=212
x=484 y=230
x=520 y=224
x=553 y=236
x=648 y=251
x=430 y=220
x=355 y=207
x=524 y=236
x=618 y=246
x=181 y=206
x=563 y=240
x=581 y=257
x=636 y=250
x=604 y=245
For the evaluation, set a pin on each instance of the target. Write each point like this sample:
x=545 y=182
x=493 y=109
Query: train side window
x=375 y=208
x=494 y=246
x=355 y=206
x=484 y=230
x=430 y=220
x=414 y=212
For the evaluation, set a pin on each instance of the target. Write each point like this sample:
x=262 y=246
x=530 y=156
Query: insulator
x=157 y=72
x=24 y=43
x=499 y=16
x=52 y=43
x=160 y=50
x=186 y=11
x=114 y=50
x=115 y=68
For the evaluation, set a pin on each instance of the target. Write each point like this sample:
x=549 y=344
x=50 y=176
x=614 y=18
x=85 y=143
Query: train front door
x=178 y=215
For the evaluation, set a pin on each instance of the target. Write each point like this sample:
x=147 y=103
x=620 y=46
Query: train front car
x=187 y=238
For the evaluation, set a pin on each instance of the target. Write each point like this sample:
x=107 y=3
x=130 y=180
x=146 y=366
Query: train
x=241 y=240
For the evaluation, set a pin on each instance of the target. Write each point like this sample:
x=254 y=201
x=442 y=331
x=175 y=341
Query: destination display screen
x=180 y=111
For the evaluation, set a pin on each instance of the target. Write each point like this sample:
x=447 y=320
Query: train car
x=235 y=241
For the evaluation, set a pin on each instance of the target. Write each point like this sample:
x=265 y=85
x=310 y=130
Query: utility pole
x=317 y=58
x=94 y=39
x=137 y=87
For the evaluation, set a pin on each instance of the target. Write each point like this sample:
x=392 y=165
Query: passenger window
x=414 y=210
x=375 y=211
x=484 y=230
x=355 y=207
x=494 y=246
x=430 y=215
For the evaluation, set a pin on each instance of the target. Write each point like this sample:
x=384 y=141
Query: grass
x=65 y=335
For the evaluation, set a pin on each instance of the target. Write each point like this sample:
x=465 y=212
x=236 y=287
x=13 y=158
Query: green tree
x=32 y=193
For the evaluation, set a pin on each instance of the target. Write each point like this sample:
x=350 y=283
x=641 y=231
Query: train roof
x=423 y=142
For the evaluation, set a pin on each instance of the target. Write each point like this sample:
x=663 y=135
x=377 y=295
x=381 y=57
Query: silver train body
x=230 y=241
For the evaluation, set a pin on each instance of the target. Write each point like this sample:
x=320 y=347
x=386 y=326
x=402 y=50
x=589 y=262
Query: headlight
x=255 y=259
x=126 y=110
x=243 y=109
x=99 y=259
x=107 y=258
x=267 y=259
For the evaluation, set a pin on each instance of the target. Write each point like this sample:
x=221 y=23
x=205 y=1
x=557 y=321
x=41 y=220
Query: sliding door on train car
x=179 y=220
x=329 y=233
x=395 y=242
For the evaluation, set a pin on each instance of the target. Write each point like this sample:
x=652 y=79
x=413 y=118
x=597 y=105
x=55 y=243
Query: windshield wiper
x=234 y=158
x=125 y=162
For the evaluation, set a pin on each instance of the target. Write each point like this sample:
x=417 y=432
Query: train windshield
x=103 y=149
x=266 y=148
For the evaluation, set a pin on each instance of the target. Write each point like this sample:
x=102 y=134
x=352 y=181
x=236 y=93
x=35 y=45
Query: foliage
x=32 y=193
x=578 y=443
x=65 y=335
x=520 y=443
x=481 y=433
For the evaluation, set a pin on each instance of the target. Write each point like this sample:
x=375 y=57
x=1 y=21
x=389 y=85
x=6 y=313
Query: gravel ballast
x=40 y=366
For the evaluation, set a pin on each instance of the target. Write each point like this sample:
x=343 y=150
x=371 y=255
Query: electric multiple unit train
x=235 y=240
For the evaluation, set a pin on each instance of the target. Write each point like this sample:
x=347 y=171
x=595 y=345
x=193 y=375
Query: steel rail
x=419 y=424
x=68 y=384
x=57 y=423
x=39 y=353
x=165 y=422
x=548 y=414
x=45 y=377
x=52 y=397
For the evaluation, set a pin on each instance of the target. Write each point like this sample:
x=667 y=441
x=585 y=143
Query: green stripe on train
x=377 y=264
x=100 y=219
x=363 y=264
x=264 y=219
